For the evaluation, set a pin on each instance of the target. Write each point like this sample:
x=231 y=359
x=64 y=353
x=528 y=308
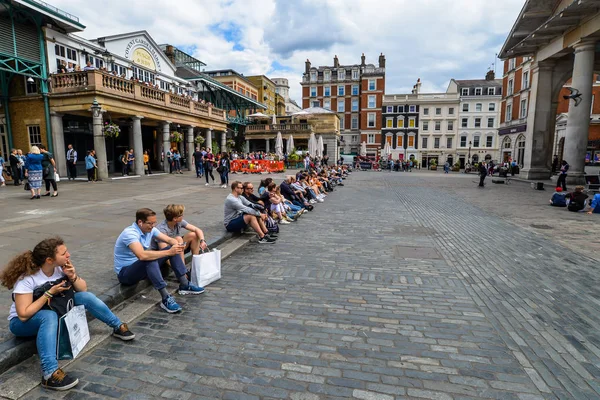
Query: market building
x=561 y=38
x=355 y=93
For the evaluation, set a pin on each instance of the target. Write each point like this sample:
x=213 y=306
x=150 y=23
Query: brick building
x=355 y=92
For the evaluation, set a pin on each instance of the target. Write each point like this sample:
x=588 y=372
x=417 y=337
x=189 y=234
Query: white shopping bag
x=206 y=268
x=77 y=327
x=56 y=177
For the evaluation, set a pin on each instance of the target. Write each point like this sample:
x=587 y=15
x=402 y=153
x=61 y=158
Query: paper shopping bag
x=73 y=334
x=206 y=268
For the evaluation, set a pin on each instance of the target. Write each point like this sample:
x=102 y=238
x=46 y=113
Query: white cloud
x=434 y=40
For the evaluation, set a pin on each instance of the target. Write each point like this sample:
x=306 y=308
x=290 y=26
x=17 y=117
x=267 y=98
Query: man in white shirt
x=71 y=162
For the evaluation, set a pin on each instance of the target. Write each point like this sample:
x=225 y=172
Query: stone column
x=247 y=146
x=267 y=146
x=578 y=123
x=58 y=138
x=189 y=139
x=99 y=140
x=138 y=146
x=223 y=141
x=166 y=131
x=540 y=124
x=131 y=135
x=208 y=142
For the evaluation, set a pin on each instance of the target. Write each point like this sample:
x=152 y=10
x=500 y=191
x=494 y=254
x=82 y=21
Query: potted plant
x=456 y=167
x=111 y=130
x=433 y=165
x=176 y=137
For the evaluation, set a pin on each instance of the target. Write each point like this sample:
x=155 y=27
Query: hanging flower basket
x=111 y=130
x=230 y=143
x=176 y=137
x=199 y=139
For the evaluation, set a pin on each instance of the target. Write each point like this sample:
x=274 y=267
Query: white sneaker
x=284 y=222
x=320 y=200
x=311 y=201
x=206 y=184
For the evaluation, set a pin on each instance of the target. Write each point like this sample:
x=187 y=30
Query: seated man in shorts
x=172 y=226
x=239 y=213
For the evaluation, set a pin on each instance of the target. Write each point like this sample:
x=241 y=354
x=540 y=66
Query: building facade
x=236 y=81
x=478 y=119
x=400 y=125
x=355 y=93
x=266 y=92
x=282 y=87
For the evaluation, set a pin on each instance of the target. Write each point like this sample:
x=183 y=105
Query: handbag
x=220 y=169
x=26 y=186
x=206 y=268
x=73 y=334
x=60 y=303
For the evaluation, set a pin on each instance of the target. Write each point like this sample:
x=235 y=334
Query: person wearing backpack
x=42 y=282
x=577 y=199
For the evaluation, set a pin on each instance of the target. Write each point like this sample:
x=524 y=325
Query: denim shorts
x=237 y=224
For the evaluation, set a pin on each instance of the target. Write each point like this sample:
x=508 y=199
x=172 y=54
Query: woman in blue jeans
x=50 y=262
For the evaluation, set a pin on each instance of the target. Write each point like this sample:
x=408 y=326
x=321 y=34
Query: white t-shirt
x=28 y=284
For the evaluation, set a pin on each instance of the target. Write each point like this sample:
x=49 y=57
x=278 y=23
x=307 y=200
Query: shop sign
x=512 y=129
x=141 y=52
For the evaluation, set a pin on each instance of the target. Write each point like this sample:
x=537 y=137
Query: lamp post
x=469 y=156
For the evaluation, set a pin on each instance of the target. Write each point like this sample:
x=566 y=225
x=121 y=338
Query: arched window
x=506 y=143
x=521 y=150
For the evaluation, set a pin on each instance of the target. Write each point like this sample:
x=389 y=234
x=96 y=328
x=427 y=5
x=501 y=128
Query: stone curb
x=16 y=350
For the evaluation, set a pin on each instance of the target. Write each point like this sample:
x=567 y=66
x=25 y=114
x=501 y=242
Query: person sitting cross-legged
x=135 y=261
x=172 y=226
x=239 y=213
x=559 y=198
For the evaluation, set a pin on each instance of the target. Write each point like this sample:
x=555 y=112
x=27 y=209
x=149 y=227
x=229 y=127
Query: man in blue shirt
x=595 y=205
x=134 y=261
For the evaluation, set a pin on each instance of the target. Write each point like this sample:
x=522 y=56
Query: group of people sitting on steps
x=45 y=277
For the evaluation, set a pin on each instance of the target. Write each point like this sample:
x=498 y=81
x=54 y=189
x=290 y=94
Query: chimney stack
x=381 y=61
x=307 y=66
x=336 y=62
x=490 y=76
x=170 y=53
x=417 y=87
x=362 y=60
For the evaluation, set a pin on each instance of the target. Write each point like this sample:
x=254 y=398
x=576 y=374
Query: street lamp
x=469 y=156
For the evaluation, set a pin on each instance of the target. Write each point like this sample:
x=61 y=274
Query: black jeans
x=208 y=172
x=71 y=167
x=90 y=173
x=562 y=181
x=50 y=182
x=16 y=175
x=481 y=179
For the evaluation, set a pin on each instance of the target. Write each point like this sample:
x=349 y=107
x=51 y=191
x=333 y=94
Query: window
x=371 y=120
x=165 y=85
x=464 y=122
x=478 y=91
x=523 y=113
x=313 y=91
x=122 y=71
x=512 y=63
x=509 y=112
x=424 y=143
x=390 y=109
x=463 y=141
x=425 y=126
x=400 y=122
x=412 y=109
x=342 y=119
x=327 y=75
x=30 y=87
x=372 y=102
x=354 y=74
x=316 y=103
x=354 y=90
x=412 y=122
x=438 y=111
x=525 y=80
x=341 y=90
x=400 y=109
x=389 y=123
x=490 y=123
x=477 y=122
x=475 y=141
x=425 y=111
x=371 y=138
x=464 y=92
x=341 y=105
x=510 y=87
x=97 y=62
x=478 y=107
x=451 y=111
x=65 y=55
x=313 y=76
x=492 y=107
x=449 y=143
x=400 y=140
x=327 y=104
x=354 y=122
x=142 y=75
x=35 y=136
x=371 y=85
x=450 y=126
x=354 y=138
x=327 y=91
x=436 y=143
x=438 y=126
x=354 y=104
x=341 y=74
x=491 y=91
x=466 y=107
x=489 y=141
x=411 y=141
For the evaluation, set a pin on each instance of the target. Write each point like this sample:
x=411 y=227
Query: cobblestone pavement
x=384 y=291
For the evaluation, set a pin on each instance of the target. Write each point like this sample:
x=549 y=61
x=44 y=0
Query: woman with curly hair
x=49 y=267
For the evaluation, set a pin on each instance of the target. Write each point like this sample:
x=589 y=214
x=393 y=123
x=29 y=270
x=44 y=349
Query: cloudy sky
x=434 y=40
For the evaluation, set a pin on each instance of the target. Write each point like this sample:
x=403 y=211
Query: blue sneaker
x=170 y=305
x=190 y=289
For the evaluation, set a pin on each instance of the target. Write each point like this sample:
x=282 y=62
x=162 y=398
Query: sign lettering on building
x=141 y=52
